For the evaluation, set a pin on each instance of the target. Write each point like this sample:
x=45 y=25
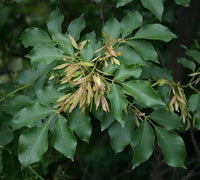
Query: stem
x=15 y=91
x=36 y=174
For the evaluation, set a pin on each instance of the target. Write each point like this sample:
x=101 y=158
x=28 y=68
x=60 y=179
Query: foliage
x=77 y=77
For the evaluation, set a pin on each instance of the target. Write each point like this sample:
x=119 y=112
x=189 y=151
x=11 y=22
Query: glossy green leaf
x=185 y=3
x=172 y=147
x=46 y=54
x=6 y=135
x=106 y=119
x=33 y=143
x=80 y=123
x=166 y=119
x=76 y=26
x=155 y=72
x=64 y=43
x=155 y=6
x=155 y=32
x=130 y=22
x=34 y=36
x=142 y=143
x=55 y=21
x=122 y=2
x=30 y=114
x=64 y=140
x=87 y=52
x=145 y=49
x=194 y=102
x=27 y=76
x=112 y=28
x=197 y=120
x=143 y=92
x=48 y=95
x=187 y=63
x=127 y=71
x=129 y=56
x=194 y=54
x=120 y=136
x=118 y=102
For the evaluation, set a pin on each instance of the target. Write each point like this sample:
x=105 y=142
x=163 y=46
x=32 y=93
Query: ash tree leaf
x=64 y=140
x=80 y=123
x=187 y=63
x=121 y=3
x=194 y=54
x=6 y=135
x=130 y=56
x=145 y=49
x=156 y=72
x=87 y=52
x=142 y=143
x=172 y=147
x=106 y=119
x=120 y=136
x=166 y=119
x=112 y=28
x=76 y=26
x=155 y=32
x=46 y=54
x=185 y=3
x=130 y=22
x=27 y=76
x=143 y=92
x=33 y=143
x=30 y=114
x=48 y=95
x=118 y=102
x=194 y=103
x=127 y=71
x=155 y=6
x=34 y=36
x=64 y=43
x=54 y=22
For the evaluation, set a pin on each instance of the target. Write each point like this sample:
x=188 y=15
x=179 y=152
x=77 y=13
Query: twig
x=194 y=142
x=101 y=13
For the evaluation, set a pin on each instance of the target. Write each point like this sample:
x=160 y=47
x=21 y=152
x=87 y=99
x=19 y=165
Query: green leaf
x=129 y=56
x=166 y=119
x=80 y=123
x=194 y=54
x=64 y=140
x=155 y=72
x=87 y=52
x=33 y=143
x=118 y=102
x=48 y=95
x=155 y=32
x=27 y=76
x=6 y=135
x=106 y=119
x=112 y=28
x=30 y=114
x=142 y=143
x=172 y=147
x=155 y=6
x=34 y=36
x=197 y=120
x=76 y=26
x=127 y=71
x=55 y=21
x=185 y=3
x=194 y=102
x=46 y=54
x=130 y=22
x=122 y=2
x=145 y=49
x=64 y=43
x=143 y=92
x=120 y=136
x=187 y=63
